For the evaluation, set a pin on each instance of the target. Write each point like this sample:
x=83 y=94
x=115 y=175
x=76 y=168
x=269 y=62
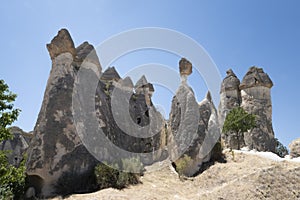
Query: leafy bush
x=216 y=152
x=106 y=175
x=239 y=121
x=12 y=179
x=119 y=176
x=280 y=149
x=182 y=164
x=5 y=193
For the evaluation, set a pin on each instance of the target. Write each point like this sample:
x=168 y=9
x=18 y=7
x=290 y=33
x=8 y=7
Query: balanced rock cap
x=256 y=77
x=230 y=82
x=185 y=67
x=61 y=43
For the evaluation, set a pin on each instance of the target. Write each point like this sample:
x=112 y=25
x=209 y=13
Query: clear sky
x=236 y=34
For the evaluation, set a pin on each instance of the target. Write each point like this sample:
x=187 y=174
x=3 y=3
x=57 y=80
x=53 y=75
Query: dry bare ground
x=242 y=177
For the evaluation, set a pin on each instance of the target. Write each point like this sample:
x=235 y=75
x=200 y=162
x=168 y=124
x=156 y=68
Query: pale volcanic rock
x=295 y=148
x=230 y=97
x=256 y=99
x=61 y=43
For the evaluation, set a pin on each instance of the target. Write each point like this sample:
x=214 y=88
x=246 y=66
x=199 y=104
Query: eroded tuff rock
x=74 y=125
x=143 y=87
x=295 y=148
x=230 y=97
x=61 y=43
x=129 y=122
x=194 y=129
x=57 y=159
x=256 y=77
x=254 y=95
x=110 y=74
x=86 y=53
x=256 y=99
x=17 y=146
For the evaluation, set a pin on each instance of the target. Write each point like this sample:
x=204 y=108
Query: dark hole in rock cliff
x=36 y=182
x=147 y=113
x=138 y=120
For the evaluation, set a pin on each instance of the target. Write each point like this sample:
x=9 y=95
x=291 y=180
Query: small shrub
x=106 y=89
x=216 y=153
x=182 y=164
x=5 y=193
x=119 y=176
x=106 y=175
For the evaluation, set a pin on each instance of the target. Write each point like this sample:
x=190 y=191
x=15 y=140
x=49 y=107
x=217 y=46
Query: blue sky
x=236 y=34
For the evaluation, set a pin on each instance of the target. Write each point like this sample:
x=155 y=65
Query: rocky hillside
x=91 y=115
x=243 y=176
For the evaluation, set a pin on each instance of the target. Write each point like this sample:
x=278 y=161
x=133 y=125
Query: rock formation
x=77 y=129
x=230 y=97
x=110 y=74
x=129 y=120
x=57 y=159
x=230 y=94
x=185 y=67
x=295 y=148
x=194 y=128
x=254 y=95
x=256 y=99
x=17 y=146
x=62 y=43
x=143 y=87
x=60 y=162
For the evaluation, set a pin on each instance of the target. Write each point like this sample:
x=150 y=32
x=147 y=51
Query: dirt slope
x=244 y=177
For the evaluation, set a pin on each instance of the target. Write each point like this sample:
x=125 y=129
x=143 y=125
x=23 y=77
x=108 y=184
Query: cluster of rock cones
x=57 y=152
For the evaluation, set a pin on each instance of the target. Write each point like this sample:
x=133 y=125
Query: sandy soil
x=242 y=177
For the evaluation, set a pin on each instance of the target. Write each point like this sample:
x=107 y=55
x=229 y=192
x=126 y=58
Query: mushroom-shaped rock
x=185 y=67
x=110 y=74
x=230 y=97
x=256 y=99
x=61 y=43
x=256 y=77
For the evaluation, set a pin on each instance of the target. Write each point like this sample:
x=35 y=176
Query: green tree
x=12 y=178
x=237 y=122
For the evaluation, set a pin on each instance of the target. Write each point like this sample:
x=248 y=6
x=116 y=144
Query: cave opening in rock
x=36 y=182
